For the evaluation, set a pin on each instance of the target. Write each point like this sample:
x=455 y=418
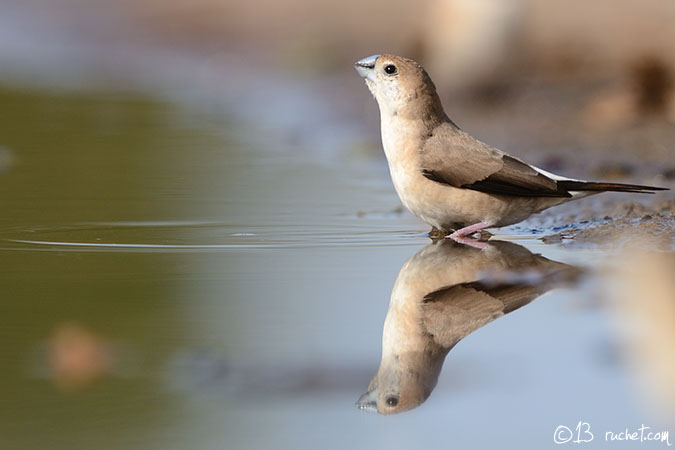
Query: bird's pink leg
x=471 y=229
x=462 y=235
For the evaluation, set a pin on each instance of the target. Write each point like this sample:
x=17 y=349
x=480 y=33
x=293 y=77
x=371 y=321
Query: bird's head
x=400 y=85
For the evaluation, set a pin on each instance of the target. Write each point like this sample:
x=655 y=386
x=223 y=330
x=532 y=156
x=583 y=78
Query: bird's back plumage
x=451 y=156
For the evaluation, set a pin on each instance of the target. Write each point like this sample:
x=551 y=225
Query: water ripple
x=201 y=236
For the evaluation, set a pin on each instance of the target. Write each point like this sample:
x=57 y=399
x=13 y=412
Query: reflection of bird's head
x=403 y=381
x=440 y=296
x=400 y=85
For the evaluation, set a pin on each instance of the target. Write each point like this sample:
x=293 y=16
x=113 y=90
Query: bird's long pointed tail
x=570 y=185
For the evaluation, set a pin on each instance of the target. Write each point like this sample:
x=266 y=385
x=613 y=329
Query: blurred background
x=199 y=234
x=560 y=75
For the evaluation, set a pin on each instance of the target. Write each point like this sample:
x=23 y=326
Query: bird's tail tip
x=613 y=187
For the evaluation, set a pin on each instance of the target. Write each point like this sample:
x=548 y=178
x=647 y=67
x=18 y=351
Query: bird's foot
x=436 y=235
x=463 y=235
x=484 y=235
x=468 y=231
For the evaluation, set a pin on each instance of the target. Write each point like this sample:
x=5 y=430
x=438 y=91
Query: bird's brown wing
x=453 y=157
x=451 y=313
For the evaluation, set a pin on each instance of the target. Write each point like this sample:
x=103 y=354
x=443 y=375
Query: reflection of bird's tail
x=572 y=185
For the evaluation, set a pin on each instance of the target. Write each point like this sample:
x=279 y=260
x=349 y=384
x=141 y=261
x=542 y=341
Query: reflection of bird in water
x=441 y=295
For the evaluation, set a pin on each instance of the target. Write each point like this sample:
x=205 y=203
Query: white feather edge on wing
x=575 y=194
x=554 y=176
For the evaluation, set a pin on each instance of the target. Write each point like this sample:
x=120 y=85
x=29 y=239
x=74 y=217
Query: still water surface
x=172 y=279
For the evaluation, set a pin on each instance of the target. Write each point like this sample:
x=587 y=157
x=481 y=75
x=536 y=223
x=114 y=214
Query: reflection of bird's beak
x=366 y=67
x=368 y=401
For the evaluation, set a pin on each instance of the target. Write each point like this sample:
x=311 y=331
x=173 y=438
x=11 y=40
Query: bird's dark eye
x=392 y=401
x=390 y=69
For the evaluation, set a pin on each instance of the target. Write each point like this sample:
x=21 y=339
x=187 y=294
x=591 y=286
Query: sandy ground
x=608 y=222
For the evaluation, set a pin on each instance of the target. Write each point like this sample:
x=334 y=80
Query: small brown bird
x=442 y=294
x=446 y=177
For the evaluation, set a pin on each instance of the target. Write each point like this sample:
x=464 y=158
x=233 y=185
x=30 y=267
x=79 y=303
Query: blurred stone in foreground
x=77 y=357
x=644 y=308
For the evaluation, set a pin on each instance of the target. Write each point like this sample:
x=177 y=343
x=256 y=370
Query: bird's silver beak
x=366 y=67
x=368 y=401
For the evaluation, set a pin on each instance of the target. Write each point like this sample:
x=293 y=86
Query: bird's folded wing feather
x=453 y=157
x=451 y=313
